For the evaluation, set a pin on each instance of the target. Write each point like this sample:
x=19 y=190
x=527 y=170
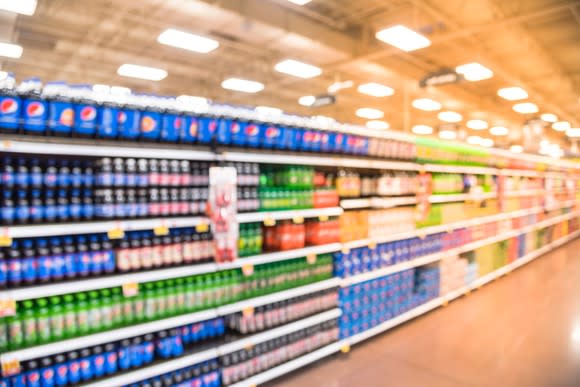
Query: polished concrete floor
x=520 y=330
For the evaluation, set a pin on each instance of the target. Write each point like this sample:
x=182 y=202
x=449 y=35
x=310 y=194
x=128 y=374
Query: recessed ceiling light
x=243 y=85
x=486 y=142
x=403 y=38
x=307 y=100
x=512 y=93
x=526 y=108
x=187 y=41
x=549 y=117
x=378 y=125
x=474 y=140
x=474 y=72
x=375 y=89
x=298 y=69
x=24 y=7
x=516 y=148
x=450 y=116
x=120 y=90
x=268 y=110
x=426 y=104
x=446 y=134
x=10 y=50
x=573 y=132
x=370 y=113
x=422 y=129
x=477 y=124
x=561 y=126
x=300 y=2
x=142 y=72
x=499 y=131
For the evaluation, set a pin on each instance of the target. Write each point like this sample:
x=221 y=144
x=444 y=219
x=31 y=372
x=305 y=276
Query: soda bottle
x=28 y=262
x=108 y=107
x=129 y=117
x=50 y=207
x=15 y=326
x=61 y=370
x=84 y=324
x=57 y=271
x=14 y=265
x=150 y=127
x=94 y=312
x=83 y=257
x=172 y=122
x=43 y=321
x=7 y=210
x=29 y=325
x=10 y=105
x=96 y=256
x=22 y=208
x=34 y=111
x=31 y=375
x=73 y=367
x=117 y=307
x=86 y=111
x=57 y=318
x=106 y=302
x=70 y=268
x=61 y=114
x=3 y=269
x=37 y=211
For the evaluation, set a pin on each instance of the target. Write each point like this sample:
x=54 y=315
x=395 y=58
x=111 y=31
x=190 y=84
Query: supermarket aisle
x=521 y=330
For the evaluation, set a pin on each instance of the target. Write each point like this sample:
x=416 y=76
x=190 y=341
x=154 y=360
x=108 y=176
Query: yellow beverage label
x=130 y=289
x=161 y=230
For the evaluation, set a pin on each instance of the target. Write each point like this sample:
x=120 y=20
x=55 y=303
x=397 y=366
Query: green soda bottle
x=149 y=294
x=16 y=328
x=82 y=310
x=171 y=295
x=210 y=291
x=57 y=318
x=128 y=310
x=190 y=294
x=180 y=296
x=138 y=302
x=107 y=321
x=117 y=307
x=71 y=327
x=242 y=238
x=160 y=300
x=3 y=334
x=94 y=312
x=43 y=321
x=199 y=293
x=29 y=323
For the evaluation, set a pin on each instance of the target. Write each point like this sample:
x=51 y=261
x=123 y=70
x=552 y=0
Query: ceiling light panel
x=10 y=50
x=187 y=41
x=512 y=93
x=426 y=104
x=549 y=117
x=307 y=100
x=486 y=142
x=243 y=85
x=300 y=2
x=375 y=90
x=474 y=72
x=370 y=113
x=499 y=131
x=450 y=116
x=403 y=38
x=477 y=124
x=378 y=125
x=573 y=132
x=526 y=108
x=474 y=140
x=24 y=7
x=142 y=72
x=298 y=69
x=516 y=148
x=447 y=134
x=422 y=129
x=561 y=126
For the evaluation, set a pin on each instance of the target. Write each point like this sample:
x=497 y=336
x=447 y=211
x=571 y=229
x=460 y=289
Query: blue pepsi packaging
x=189 y=129
x=129 y=118
x=107 y=119
x=87 y=112
x=272 y=137
x=172 y=125
x=110 y=359
x=223 y=132
x=10 y=105
x=136 y=352
x=148 y=349
x=253 y=134
x=86 y=365
x=176 y=343
x=61 y=371
x=238 y=137
x=73 y=367
x=7 y=211
x=61 y=113
x=3 y=269
x=44 y=260
x=34 y=110
x=47 y=372
x=58 y=263
x=123 y=355
x=98 y=362
x=30 y=376
x=207 y=129
x=151 y=119
x=29 y=272
x=69 y=256
x=22 y=212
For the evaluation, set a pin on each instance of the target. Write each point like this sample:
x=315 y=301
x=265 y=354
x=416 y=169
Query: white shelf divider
x=252 y=217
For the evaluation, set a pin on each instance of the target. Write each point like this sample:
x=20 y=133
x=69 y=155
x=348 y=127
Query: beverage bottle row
x=389 y=184
x=58 y=109
x=250 y=240
x=247 y=362
x=279 y=313
x=206 y=374
x=44 y=260
x=38 y=173
x=292 y=177
x=248 y=199
x=88 y=364
x=285 y=199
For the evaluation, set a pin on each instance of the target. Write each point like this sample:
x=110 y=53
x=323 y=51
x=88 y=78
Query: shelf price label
x=161 y=230
x=269 y=221
x=311 y=259
x=5 y=241
x=345 y=348
x=130 y=289
x=248 y=311
x=10 y=367
x=202 y=227
x=298 y=219
x=372 y=245
x=248 y=269
x=116 y=232
x=323 y=218
x=7 y=307
x=345 y=250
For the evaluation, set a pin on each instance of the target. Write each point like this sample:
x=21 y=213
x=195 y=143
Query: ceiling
x=534 y=44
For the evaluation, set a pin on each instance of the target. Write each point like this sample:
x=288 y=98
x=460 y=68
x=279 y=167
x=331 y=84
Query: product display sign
x=222 y=210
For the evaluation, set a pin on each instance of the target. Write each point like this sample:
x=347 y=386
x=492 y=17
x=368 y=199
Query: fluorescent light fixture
x=516 y=149
x=426 y=104
x=561 y=126
x=512 y=93
x=10 y=50
x=450 y=116
x=307 y=100
x=300 y=2
x=446 y=134
x=192 y=100
x=268 y=110
x=422 y=129
x=370 y=113
x=549 y=117
x=187 y=41
x=337 y=86
x=298 y=69
x=499 y=131
x=3 y=75
x=243 y=85
x=486 y=142
x=474 y=72
x=477 y=124
x=403 y=38
x=375 y=90
x=378 y=125
x=120 y=90
x=526 y=108
x=142 y=72
x=573 y=132
x=24 y=7
x=474 y=140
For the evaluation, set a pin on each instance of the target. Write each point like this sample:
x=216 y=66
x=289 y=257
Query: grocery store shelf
x=66 y=147
x=527 y=192
x=280 y=256
x=158 y=325
x=275 y=297
x=280 y=331
x=461 y=197
x=290 y=366
x=156 y=369
x=378 y=202
x=252 y=217
x=189 y=360
x=460 y=169
x=100 y=227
